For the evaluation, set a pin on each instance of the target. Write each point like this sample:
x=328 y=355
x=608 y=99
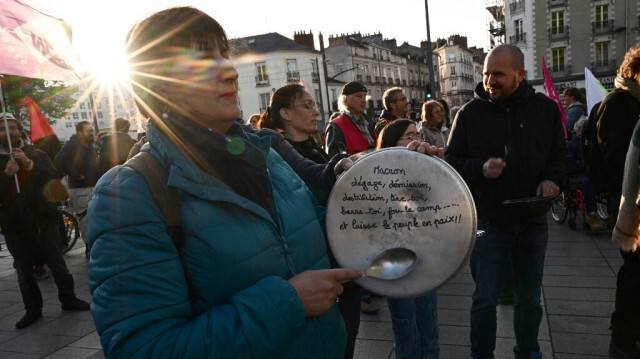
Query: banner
x=595 y=91
x=35 y=44
x=550 y=91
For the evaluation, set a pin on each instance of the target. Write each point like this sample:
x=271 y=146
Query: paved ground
x=578 y=298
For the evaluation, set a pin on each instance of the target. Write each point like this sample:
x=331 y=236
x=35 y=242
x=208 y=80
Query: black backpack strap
x=168 y=201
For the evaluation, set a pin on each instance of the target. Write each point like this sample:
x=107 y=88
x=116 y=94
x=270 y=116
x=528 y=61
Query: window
x=83 y=115
x=262 y=77
x=68 y=125
x=602 y=16
x=292 y=70
x=452 y=57
x=264 y=101
x=557 y=23
x=602 y=53
x=453 y=71
x=558 y=59
x=100 y=115
x=519 y=30
x=76 y=116
x=82 y=106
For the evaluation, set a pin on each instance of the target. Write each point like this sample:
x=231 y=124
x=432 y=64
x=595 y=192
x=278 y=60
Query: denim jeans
x=415 y=327
x=23 y=246
x=527 y=243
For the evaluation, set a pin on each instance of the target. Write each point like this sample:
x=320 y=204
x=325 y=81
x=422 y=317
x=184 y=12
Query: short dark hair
x=387 y=96
x=391 y=133
x=80 y=126
x=575 y=93
x=121 y=125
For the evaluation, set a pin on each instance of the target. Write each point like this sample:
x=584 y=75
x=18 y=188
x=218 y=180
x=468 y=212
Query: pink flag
x=550 y=91
x=35 y=44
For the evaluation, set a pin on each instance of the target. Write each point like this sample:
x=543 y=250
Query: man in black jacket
x=79 y=160
x=394 y=102
x=617 y=115
x=115 y=147
x=508 y=143
x=28 y=220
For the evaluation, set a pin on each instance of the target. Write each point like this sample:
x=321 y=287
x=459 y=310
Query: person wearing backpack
x=617 y=116
x=250 y=276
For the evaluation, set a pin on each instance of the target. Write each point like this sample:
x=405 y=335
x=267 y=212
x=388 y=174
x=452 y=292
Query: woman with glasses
x=293 y=112
x=251 y=278
x=433 y=128
x=414 y=320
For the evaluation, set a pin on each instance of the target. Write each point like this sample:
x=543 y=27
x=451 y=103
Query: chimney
x=304 y=39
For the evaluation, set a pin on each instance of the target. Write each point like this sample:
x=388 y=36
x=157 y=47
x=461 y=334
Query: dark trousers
x=526 y=242
x=349 y=305
x=625 y=318
x=24 y=247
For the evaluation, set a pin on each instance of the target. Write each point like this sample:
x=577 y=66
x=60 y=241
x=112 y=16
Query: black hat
x=353 y=87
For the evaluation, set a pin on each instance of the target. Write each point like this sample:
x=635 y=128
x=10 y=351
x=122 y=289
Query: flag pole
x=6 y=127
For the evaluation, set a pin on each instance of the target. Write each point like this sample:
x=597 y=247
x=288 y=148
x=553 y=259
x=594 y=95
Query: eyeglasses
x=413 y=136
x=403 y=99
x=309 y=105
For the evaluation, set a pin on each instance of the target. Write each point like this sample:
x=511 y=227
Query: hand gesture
x=426 y=148
x=547 y=188
x=20 y=156
x=12 y=167
x=493 y=167
x=319 y=289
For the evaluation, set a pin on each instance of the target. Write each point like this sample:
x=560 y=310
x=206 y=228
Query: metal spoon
x=392 y=263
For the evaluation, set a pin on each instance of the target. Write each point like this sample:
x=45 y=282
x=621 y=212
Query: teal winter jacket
x=237 y=255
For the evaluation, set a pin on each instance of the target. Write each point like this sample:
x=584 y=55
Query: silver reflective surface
x=395 y=198
x=392 y=263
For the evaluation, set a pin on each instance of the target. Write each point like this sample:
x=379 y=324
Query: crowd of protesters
x=241 y=268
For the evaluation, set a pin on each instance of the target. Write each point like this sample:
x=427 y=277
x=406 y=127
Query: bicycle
x=566 y=204
x=68 y=226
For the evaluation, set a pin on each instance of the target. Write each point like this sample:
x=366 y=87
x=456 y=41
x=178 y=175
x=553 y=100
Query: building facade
x=572 y=35
x=459 y=69
x=109 y=105
x=269 y=61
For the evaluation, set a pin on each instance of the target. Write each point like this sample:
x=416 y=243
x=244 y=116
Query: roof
x=266 y=43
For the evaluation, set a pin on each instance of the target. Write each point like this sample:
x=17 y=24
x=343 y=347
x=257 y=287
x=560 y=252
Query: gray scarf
x=628 y=85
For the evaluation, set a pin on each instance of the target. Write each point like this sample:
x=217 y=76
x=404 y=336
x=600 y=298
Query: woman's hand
x=319 y=289
x=427 y=149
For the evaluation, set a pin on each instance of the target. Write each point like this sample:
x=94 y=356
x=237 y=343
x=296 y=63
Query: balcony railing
x=603 y=65
x=559 y=32
x=560 y=70
x=293 y=76
x=553 y=3
x=262 y=80
x=518 y=39
x=516 y=7
x=599 y=27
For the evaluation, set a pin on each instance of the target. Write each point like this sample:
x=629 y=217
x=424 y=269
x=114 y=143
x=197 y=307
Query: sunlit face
x=568 y=99
x=14 y=132
x=302 y=117
x=357 y=102
x=437 y=114
x=86 y=134
x=202 y=86
x=410 y=134
x=500 y=79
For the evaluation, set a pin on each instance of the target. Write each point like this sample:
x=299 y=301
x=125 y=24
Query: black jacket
x=617 y=116
x=114 y=151
x=28 y=210
x=78 y=161
x=386 y=117
x=526 y=129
